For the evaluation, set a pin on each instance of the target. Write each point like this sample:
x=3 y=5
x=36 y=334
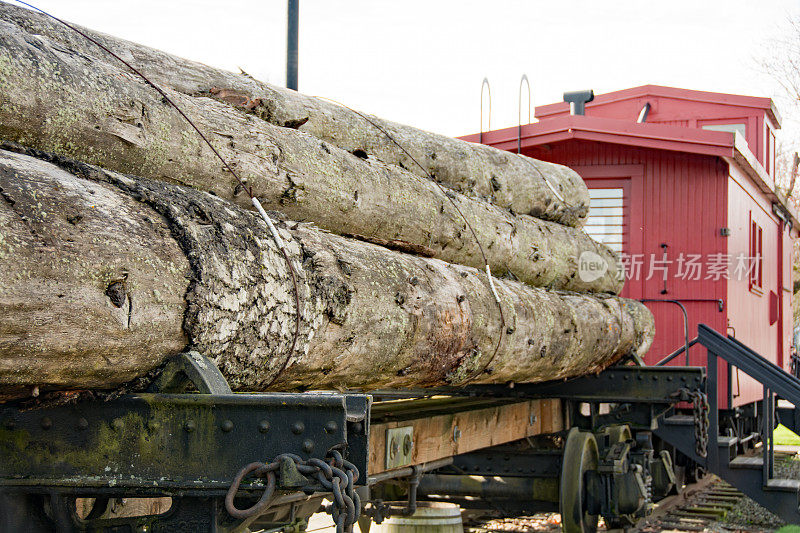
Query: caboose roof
x=668 y=104
x=731 y=147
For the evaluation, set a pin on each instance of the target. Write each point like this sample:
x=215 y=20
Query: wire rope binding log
x=337 y=476
x=449 y=197
x=278 y=241
x=519 y=134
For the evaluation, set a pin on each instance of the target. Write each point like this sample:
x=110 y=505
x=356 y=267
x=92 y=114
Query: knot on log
x=117 y=292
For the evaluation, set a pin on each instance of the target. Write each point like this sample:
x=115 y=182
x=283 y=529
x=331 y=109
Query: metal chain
x=700 y=410
x=336 y=475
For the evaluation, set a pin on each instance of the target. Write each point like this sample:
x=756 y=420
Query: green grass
x=789 y=529
x=784 y=437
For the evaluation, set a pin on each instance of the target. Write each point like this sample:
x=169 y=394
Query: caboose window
x=605 y=223
x=770 y=152
x=756 y=256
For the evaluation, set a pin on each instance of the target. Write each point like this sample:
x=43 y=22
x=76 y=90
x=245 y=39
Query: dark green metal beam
x=173 y=443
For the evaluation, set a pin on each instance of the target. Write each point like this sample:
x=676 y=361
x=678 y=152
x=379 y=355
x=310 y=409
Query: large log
x=103 y=275
x=515 y=182
x=57 y=100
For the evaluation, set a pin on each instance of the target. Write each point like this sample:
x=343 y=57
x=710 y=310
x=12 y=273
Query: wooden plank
x=556 y=416
x=547 y=416
x=435 y=437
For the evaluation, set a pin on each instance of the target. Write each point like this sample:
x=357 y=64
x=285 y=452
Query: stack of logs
x=124 y=240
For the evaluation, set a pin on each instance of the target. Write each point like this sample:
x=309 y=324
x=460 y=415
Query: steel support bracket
x=633 y=384
x=190 y=368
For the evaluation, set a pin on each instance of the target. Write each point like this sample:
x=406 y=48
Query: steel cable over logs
x=259 y=208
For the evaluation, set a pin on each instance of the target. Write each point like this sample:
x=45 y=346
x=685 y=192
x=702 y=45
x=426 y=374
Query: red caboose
x=682 y=185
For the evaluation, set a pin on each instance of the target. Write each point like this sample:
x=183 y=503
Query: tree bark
x=103 y=275
x=57 y=100
x=515 y=182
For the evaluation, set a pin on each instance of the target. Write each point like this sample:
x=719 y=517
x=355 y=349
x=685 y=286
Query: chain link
x=336 y=475
x=700 y=410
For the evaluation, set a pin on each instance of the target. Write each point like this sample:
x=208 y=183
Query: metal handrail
x=753 y=364
x=676 y=353
x=685 y=321
x=679 y=302
x=794 y=365
x=485 y=83
x=774 y=380
x=519 y=111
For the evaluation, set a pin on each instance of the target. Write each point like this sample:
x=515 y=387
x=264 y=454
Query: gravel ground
x=524 y=524
x=539 y=522
x=750 y=514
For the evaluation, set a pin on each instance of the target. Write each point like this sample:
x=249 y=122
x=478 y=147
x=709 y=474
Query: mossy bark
x=515 y=182
x=103 y=275
x=59 y=100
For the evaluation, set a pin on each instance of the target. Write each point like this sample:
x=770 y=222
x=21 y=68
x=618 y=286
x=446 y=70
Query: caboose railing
x=679 y=302
x=677 y=352
x=775 y=382
x=795 y=364
x=717 y=453
x=686 y=345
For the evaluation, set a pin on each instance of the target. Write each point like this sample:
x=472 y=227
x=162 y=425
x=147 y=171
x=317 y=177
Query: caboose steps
x=747 y=463
x=727 y=447
x=783 y=485
x=781 y=496
x=753 y=475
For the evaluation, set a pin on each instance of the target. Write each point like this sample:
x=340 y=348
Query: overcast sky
x=422 y=62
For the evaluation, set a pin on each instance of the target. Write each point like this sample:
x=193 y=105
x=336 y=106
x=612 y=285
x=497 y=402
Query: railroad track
x=699 y=507
x=705 y=503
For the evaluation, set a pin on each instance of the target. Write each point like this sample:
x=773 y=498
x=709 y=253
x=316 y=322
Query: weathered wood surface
x=57 y=100
x=103 y=275
x=508 y=180
x=434 y=436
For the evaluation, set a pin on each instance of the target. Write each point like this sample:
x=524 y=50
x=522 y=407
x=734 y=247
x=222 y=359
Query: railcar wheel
x=617 y=434
x=580 y=457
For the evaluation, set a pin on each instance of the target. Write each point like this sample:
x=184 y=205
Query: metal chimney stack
x=578 y=100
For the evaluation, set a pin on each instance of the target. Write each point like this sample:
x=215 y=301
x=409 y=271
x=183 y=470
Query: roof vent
x=577 y=101
x=643 y=113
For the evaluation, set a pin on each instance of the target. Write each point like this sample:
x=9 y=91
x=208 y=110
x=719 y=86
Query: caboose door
x=616 y=215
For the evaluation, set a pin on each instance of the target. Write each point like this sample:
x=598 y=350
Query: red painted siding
x=677 y=199
x=758 y=322
x=682 y=187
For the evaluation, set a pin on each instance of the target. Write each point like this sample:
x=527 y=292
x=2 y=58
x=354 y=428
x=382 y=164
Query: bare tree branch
x=793 y=175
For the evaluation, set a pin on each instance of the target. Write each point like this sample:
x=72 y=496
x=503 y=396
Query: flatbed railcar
x=607 y=445
x=235 y=461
